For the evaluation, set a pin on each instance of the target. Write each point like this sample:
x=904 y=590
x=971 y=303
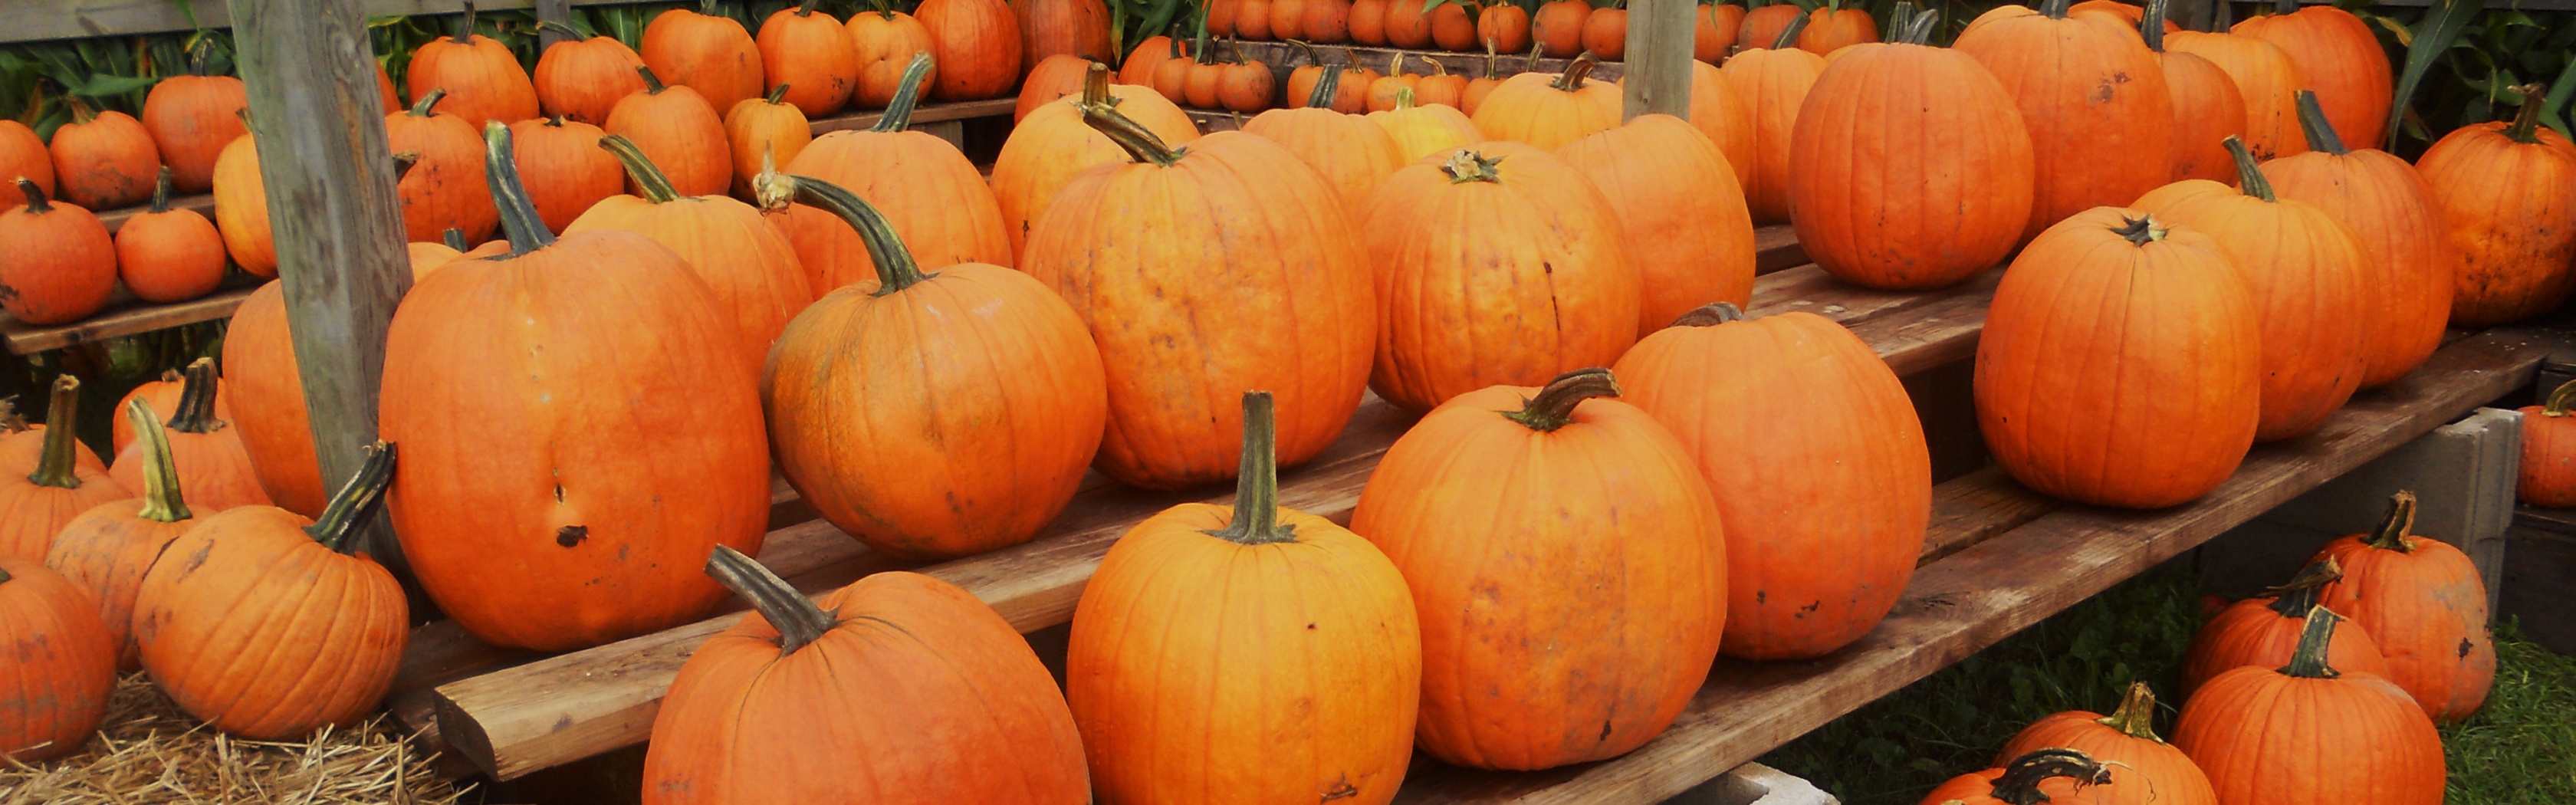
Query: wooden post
x=560 y=13
x=333 y=211
x=1659 y=57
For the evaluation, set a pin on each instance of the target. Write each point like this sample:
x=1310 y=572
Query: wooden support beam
x=332 y=205
x=1659 y=57
x=558 y=12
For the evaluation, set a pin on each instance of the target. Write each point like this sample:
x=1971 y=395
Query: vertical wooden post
x=1659 y=57
x=558 y=12
x=333 y=211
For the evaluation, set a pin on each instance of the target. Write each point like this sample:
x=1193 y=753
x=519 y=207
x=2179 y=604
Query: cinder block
x=1754 y=784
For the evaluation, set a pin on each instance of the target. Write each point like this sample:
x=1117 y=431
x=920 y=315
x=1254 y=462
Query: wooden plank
x=37 y=20
x=126 y=315
x=1983 y=593
x=1775 y=248
x=1659 y=57
x=203 y=204
x=927 y=113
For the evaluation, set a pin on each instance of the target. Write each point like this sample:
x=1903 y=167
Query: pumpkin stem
x=162 y=502
x=10 y=421
x=465 y=26
x=2298 y=595
x=1404 y=97
x=36 y=201
x=2141 y=230
x=656 y=186
x=161 y=191
x=403 y=163
x=1489 y=56
x=1918 y=30
x=81 y=111
x=2248 y=174
x=1140 y=143
x=1321 y=97
x=1095 y=85
x=2308 y=661
x=1575 y=71
x=428 y=104
x=568 y=31
x=1256 y=481
x=454 y=238
x=2151 y=25
x=519 y=220
x=2559 y=400
x=2526 y=123
x=2136 y=717
x=652 y=83
x=805 y=8
x=907 y=96
x=55 y=465
x=2320 y=131
x=1788 y=37
x=1530 y=64
x=1710 y=315
x=2055 y=9
x=2019 y=784
x=777 y=95
x=356 y=502
x=2391 y=535
x=1465 y=165
x=896 y=269
x=1553 y=406
x=196 y=412
x=798 y=620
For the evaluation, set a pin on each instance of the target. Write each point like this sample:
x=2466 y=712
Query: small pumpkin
x=274 y=426
x=2142 y=768
x=2392 y=216
x=1325 y=21
x=1138 y=69
x=445 y=187
x=887 y=42
x=1245 y=86
x=54 y=691
x=60 y=265
x=1055 y=77
x=1679 y=209
x=2549 y=451
x=1502 y=27
x=1219 y=16
x=1549 y=111
x=163 y=394
x=2208 y=108
x=567 y=173
x=810 y=55
x=1368 y=20
x=169 y=255
x=706 y=52
x=1557 y=27
x=1422 y=130
x=1063 y=27
x=1382 y=91
x=1252 y=19
x=2425 y=603
x=1052 y=146
x=2053 y=775
x=106 y=550
x=764 y=131
x=205 y=447
x=1762 y=26
x=1440 y=88
x=1774 y=82
x=1833 y=26
x=483 y=79
x=2263 y=631
x=978 y=46
x=1722 y=116
x=2266 y=79
x=675 y=126
x=241 y=209
x=1350 y=152
x=1605 y=31
x=1713 y=30
x=191 y=117
x=2086 y=89
x=1287 y=19
x=2506 y=214
x=583 y=78
x=22 y=153
x=1408 y=25
x=1451 y=28
x=939 y=203
x=2341 y=60
x=2364 y=739
x=745 y=260
x=103 y=160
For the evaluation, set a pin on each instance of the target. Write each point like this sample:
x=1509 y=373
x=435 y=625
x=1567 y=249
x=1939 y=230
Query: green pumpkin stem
x=896 y=269
x=907 y=96
x=1918 y=29
x=1404 y=97
x=1256 y=480
x=2320 y=131
x=83 y=114
x=519 y=221
x=1710 y=315
x=1788 y=37
x=162 y=502
x=2298 y=595
x=55 y=467
x=4 y=576
x=2136 y=717
x=655 y=185
x=2559 y=399
x=1095 y=85
x=805 y=8
x=196 y=412
x=652 y=83
x=2308 y=661
x=428 y=104
x=2019 y=784
x=2141 y=230
x=2526 y=123
x=2393 y=530
x=465 y=26
x=1139 y=142
x=1575 y=72
x=454 y=238
x=2249 y=174
x=1490 y=54
x=1553 y=406
x=2055 y=9
x=776 y=96
x=37 y=204
x=161 y=191
x=356 y=502
x=798 y=620
x=2151 y=26
x=1325 y=87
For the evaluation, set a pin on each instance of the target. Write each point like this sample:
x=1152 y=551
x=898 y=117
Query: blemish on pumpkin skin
x=1342 y=789
x=571 y=535
x=2465 y=648
x=1605 y=730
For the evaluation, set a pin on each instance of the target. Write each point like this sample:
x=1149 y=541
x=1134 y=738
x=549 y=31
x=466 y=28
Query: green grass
x=2519 y=750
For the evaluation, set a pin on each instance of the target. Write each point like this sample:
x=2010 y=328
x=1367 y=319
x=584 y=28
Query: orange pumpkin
x=204 y=446
x=706 y=52
x=763 y=132
x=445 y=187
x=1549 y=111
x=744 y=259
x=2424 y=602
x=106 y=550
x=1832 y=27
x=2054 y=775
x=2506 y=215
x=2391 y=215
x=1063 y=27
x=103 y=160
x=811 y=56
x=676 y=127
x=1383 y=91
x=1502 y=27
x=1713 y=32
x=385 y=89
x=1220 y=15
x=2208 y=108
x=1263 y=239
x=1245 y=86
x=2086 y=87
x=745 y=720
x=1557 y=27
x=1368 y=20
x=1679 y=209
x=191 y=118
x=887 y=43
x=2142 y=768
x=1762 y=27
x=1055 y=77
x=576 y=538
x=1420 y=131
x=273 y=424
x=567 y=173
x=1774 y=82
x=1325 y=21
x=1721 y=116
x=1287 y=19
x=2363 y=737
x=241 y=209
x=1605 y=31
x=62 y=668
x=1350 y=152
x=60 y=265
x=2264 y=630
x=1408 y=25
x=483 y=79
x=978 y=46
x=2548 y=451
x=22 y=154
x=1052 y=146
x=2340 y=59
x=1139 y=67
x=2063 y=303
x=163 y=395
x=1252 y=19
x=167 y=255
x=583 y=78
x=939 y=204
x=47 y=477
x=1440 y=88
x=2266 y=79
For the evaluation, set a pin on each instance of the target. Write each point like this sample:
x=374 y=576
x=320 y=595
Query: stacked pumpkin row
x=1557 y=29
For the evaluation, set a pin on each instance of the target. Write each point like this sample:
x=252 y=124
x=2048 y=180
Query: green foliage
x=107 y=73
x=2477 y=75
x=2521 y=748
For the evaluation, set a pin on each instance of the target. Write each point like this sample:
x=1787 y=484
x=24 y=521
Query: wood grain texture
x=126 y=315
x=36 y=20
x=1659 y=58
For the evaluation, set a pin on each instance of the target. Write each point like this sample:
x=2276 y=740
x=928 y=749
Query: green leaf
x=109 y=86
x=2432 y=34
x=2553 y=107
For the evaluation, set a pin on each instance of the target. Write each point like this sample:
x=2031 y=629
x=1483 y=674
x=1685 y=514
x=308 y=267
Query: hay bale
x=149 y=752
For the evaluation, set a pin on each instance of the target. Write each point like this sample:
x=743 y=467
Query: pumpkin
x=1199 y=87
x=1383 y=90
x=2506 y=214
x=1420 y=131
x=483 y=79
x=788 y=705
x=1351 y=95
x=1605 y=31
x=1300 y=633
x=1368 y=20
x=1713 y=32
x=2263 y=631
x=743 y=258
x=1350 y=152
x=2423 y=600
x=1440 y=88
x=2310 y=734
x=887 y=42
x=167 y=255
x=1909 y=166
x=163 y=395
x=269 y=625
x=763 y=131
x=1252 y=19
x=1219 y=16
x=1679 y=209
x=1063 y=27
x=273 y=424
x=1245 y=86
x=1055 y=77
x=1481 y=87
x=103 y=160
x=575 y=538
x=2066 y=301
x=1557 y=27
x=1721 y=116
x=2066 y=74
x=1139 y=66
x=2053 y=775
x=1502 y=27
x=1539 y=285
x=2142 y=768
x=2391 y=215
x=1263 y=239
x=385 y=89
x=1046 y=151
x=2340 y=59
x=708 y=53
x=1408 y=25
x=938 y=202
x=241 y=209
x=1857 y=461
x=811 y=55
x=1325 y=21
x=22 y=154
x=2266 y=79
x=583 y=78
x=978 y=46
x=1451 y=28
x=2208 y=108
x=1287 y=19
x=191 y=118
x=1549 y=110
x=204 y=446
x=676 y=127
x=1774 y=83
x=567 y=173
x=1569 y=564
x=60 y=265
x=1832 y=27
x=2548 y=453
x=1762 y=26
x=55 y=689
x=2307 y=278
x=47 y=477
x=1171 y=78
x=2128 y=14
x=106 y=550
x=445 y=187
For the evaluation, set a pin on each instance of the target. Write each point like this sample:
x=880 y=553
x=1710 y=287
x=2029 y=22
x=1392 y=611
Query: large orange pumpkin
x=103 y=160
x=241 y=209
x=1722 y=116
x=567 y=173
x=811 y=56
x=1605 y=31
x=2264 y=630
x=269 y=625
x=582 y=78
x=1498 y=264
x=1805 y=578
x=939 y=204
x=2425 y=604
x=1503 y=27
x=1569 y=564
x=1139 y=66
x=792 y=704
x=1052 y=146
x=1679 y=209
x=2067 y=301
x=191 y=119
x=1774 y=82
x=2087 y=88
x=2548 y=451
x=744 y=259
x=978 y=46
x=2307 y=277
x=2506 y=215
x=204 y=446
x=2359 y=737
x=2208 y=108
x=1352 y=153
x=1300 y=633
x=2265 y=78
x=1261 y=237
x=483 y=79
x=2055 y=775
x=60 y=265
x=22 y=154
x=1063 y=27
x=47 y=477
x=1909 y=166
x=707 y=52
x=62 y=664
x=167 y=255
x=107 y=549
x=2341 y=60
x=1761 y=27
x=273 y=424
x=445 y=187
x=676 y=127
x=763 y=133
x=554 y=494
x=1054 y=77
x=1549 y=110
x=887 y=42
x=2391 y=215
x=2143 y=769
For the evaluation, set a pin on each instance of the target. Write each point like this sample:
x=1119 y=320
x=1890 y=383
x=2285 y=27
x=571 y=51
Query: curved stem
x=1326 y=85
x=2141 y=230
x=2151 y=26
x=356 y=502
x=2136 y=717
x=1553 y=406
x=1139 y=143
x=1788 y=37
x=465 y=26
x=2299 y=594
x=428 y=104
x=196 y=412
x=1466 y=165
x=1256 y=480
x=776 y=96
x=896 y=269
x=37 y=204
x=519 y=220
x=652 y=83
x=454 y=238
x=2320 y=131
x=1095 y=85
x=2559 y=399
x=2019 y=784
x=162 y=502
x=798 y=620
x=2055 y=9
x=907 y=96
x=2308 y=661
x=56 y=465
x=2393 y=530
x=567 y=30
x=1404 y=97
x=81 y=111
x=1575 y=71
x=1489 y=57
x=1918 y=31
x=404 y=161
x=656 y=187
x=161 y=191
x=1710 y=315
x=1311 y=58
x=2526 y=122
